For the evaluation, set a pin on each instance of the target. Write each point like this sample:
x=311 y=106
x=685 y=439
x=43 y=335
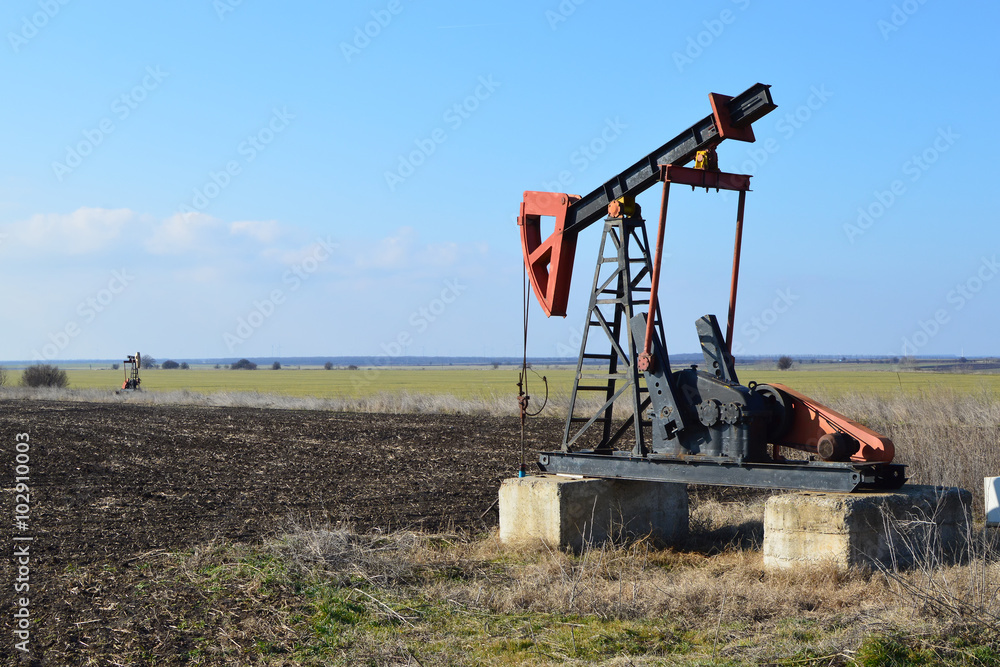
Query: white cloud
x=182 y=232
x=397 y=251
x=263 y=231
x=404 y=251
x=442 y=254
x=206 y=273
x=242 y=247
x=293 y=256
x=200 y=275
x=85 y=230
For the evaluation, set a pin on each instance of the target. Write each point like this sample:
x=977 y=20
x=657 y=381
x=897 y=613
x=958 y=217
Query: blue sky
x=221 y=178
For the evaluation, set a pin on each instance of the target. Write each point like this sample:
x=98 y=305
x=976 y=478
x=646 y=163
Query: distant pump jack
x=132 y=365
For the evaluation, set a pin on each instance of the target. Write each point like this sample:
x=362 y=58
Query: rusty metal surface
x=724 y=120
x=744 y=109
x=704 y=178
x=811 y=420
x=730 y=323
x=549 y=262
x=645 y=361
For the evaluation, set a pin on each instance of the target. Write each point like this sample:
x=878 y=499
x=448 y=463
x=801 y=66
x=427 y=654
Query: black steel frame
x=613 y=292
x=807 y=475
x=747 y=107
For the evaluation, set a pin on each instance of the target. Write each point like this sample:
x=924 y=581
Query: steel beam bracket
x=704 y=178
x=724 y=120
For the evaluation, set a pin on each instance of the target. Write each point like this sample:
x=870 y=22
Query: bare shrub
x=44 y=375
x=960 y=585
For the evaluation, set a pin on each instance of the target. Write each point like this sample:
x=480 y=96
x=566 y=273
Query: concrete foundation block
x=864 y=529
x=567 y=512
x=991 y=487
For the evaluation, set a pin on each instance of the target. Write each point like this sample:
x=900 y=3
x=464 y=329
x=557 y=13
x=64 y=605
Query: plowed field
x=112 y=482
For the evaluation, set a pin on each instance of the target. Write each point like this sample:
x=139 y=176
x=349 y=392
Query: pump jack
x=132 y=365
x=690 y=425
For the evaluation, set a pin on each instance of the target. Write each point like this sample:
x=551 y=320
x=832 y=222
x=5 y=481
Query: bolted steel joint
x=709 y=412
x=645 y=361
x=732 y=413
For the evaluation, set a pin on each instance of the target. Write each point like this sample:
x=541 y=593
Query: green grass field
x=465 y=382
x=877 y=382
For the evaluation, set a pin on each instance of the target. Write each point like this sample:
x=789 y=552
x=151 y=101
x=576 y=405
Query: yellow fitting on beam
x=708 y=160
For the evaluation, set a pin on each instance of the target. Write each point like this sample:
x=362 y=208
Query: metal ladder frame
x=631 y=246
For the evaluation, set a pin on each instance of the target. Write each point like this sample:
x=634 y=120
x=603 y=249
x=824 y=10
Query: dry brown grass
x=945 y=438
x=320 y=596
x=710 y=598
x=959 y=583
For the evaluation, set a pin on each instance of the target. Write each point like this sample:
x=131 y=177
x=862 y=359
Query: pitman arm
x=550 y=261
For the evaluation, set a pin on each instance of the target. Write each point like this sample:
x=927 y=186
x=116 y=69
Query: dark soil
x=112 y=483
